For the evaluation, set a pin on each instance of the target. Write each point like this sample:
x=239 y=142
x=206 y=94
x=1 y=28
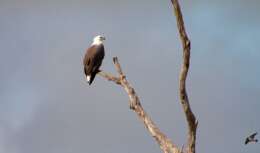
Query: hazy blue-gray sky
x=46 y=105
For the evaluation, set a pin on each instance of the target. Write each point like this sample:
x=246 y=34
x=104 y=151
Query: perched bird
x=251 y=138
x=93 y=58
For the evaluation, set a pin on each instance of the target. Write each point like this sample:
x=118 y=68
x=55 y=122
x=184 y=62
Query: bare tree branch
x=190 y=117
x=110 y=77
x=165 y=144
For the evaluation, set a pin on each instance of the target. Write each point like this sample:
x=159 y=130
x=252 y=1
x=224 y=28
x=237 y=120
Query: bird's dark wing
x=253 y=135
x=93 y=60
x=247 y=140
x=87 y=62
x=86 y=65
x=98 y=58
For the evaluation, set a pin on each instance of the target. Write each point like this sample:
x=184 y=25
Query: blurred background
x=46 y=105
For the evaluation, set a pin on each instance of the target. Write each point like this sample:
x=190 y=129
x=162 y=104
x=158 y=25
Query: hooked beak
x=103 y=38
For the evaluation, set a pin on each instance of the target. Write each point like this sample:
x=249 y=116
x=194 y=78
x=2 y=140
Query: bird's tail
x=91 y=77
x=88 y=78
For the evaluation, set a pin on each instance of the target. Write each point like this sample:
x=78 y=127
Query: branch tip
x=115 y=60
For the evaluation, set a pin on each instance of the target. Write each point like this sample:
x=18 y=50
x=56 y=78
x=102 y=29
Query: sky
x=46 y=104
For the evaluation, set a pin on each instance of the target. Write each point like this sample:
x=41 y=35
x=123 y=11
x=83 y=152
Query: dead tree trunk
x=190 y=117
x=165 y=143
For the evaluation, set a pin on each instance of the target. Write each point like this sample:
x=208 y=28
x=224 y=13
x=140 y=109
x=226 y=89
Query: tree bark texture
x=190 y=117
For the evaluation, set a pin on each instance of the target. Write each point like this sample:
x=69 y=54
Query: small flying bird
x=251 y=138
x=93 y=58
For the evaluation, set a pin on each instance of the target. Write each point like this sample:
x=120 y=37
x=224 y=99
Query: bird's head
x=98 y=39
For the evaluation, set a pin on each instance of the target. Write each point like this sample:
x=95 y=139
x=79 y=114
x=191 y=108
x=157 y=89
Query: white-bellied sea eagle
x=93 y=58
